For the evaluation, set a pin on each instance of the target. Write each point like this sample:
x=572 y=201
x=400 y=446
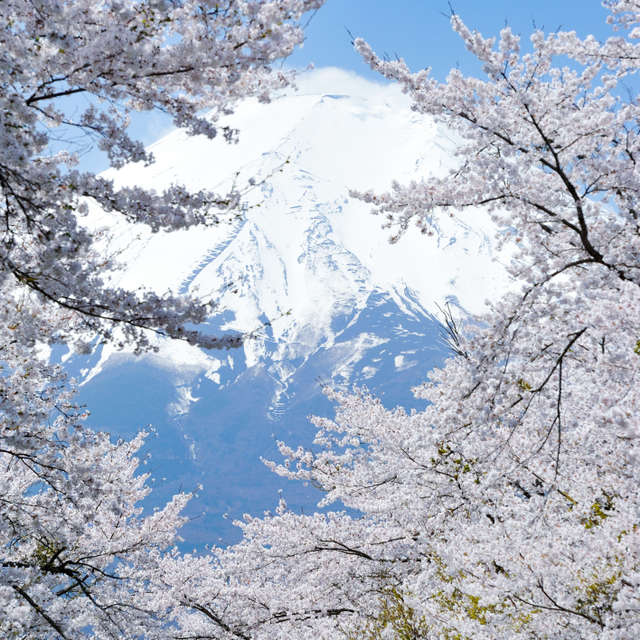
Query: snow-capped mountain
x=307 y=269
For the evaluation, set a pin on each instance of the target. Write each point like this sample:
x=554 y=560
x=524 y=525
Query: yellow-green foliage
x=456 y=604
x=46 y=553
x=453 y=464
x=457 y=601
x=598 y=511
x=597 y=593
x=459 y=605
x=523 y=385
x=395 y=615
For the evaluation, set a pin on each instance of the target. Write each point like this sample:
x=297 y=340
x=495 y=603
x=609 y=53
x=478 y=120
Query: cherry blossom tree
x=190 y=59
x=77 y=556
x=509 y=506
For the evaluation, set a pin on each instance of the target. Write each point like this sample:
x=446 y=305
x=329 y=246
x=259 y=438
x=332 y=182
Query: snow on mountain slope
x=304 y=246
x=311 y=266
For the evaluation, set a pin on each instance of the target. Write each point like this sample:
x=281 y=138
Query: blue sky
x=419 y=30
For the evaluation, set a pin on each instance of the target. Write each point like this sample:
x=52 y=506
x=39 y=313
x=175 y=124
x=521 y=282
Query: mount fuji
x=307 y=271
